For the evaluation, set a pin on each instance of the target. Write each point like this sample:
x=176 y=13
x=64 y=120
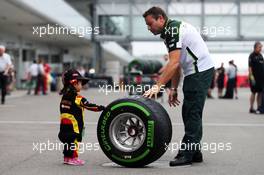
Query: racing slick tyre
x=134 y=132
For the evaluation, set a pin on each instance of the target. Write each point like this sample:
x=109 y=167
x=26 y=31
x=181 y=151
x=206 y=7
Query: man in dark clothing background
x=231 y=82
x=256 y=77
x=220 y=79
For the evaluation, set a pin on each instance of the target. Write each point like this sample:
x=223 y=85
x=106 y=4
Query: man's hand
x=152 y=91
x=173 y=98
x=252 y=80
x=6 y=73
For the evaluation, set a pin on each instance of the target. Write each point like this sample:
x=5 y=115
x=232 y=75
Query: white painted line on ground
x=7 y=106
x=173 y=124
x=29 y=122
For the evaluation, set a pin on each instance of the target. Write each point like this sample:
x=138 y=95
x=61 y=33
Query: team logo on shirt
x=171 y=45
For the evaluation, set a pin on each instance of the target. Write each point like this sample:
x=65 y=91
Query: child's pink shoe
x=80 y=161
x=66 y=160
x=74 y=161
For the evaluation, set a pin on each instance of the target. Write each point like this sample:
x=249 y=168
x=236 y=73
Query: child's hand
x=101 y=108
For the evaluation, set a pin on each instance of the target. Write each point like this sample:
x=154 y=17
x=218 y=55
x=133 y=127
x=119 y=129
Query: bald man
x=5 y=64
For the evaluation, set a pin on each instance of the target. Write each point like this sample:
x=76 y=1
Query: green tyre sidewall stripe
x=132 y=160
x=131 y=104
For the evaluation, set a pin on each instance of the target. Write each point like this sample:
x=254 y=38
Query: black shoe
x=257 y=112
x=181 y=161
x=197 y=157
x=178 y=156
x=210 y=97
x=260 y=110
x=252 y=111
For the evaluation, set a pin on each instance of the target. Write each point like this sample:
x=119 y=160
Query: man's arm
x=250 y=70
x=176 y=79
x=7 y=69
x=250 y=74
x=9 y=64
x=162 y=69
x=172 y=68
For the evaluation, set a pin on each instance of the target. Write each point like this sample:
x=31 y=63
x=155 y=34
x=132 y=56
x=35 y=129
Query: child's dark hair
x=68 y=90
x=69 y=77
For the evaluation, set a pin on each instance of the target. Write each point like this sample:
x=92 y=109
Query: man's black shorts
x=257 y=87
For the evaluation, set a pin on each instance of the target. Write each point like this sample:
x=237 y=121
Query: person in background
x=256 y=76
x=212 y=85
x=11 y=79
x=32 y=76
x=235 y=88
x=40 y=79
x=46 y=77
x=220 y=80
x=5 y=65
x=81 y=70
x=231 y=74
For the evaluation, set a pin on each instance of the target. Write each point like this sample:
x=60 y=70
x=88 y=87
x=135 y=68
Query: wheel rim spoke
x=137 y=123
x=125 y=125
x=127 y=132
x=139 y=138
x=123 y=132
x=134 y=139
x=123 y=142
x=131 y=121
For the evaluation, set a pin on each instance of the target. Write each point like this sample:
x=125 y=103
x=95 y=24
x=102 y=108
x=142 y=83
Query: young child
x=72 y=106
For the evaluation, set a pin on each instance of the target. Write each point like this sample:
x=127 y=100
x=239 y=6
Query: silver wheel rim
x=127 y=132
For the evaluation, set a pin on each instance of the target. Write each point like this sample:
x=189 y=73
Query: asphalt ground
x=232 y=143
